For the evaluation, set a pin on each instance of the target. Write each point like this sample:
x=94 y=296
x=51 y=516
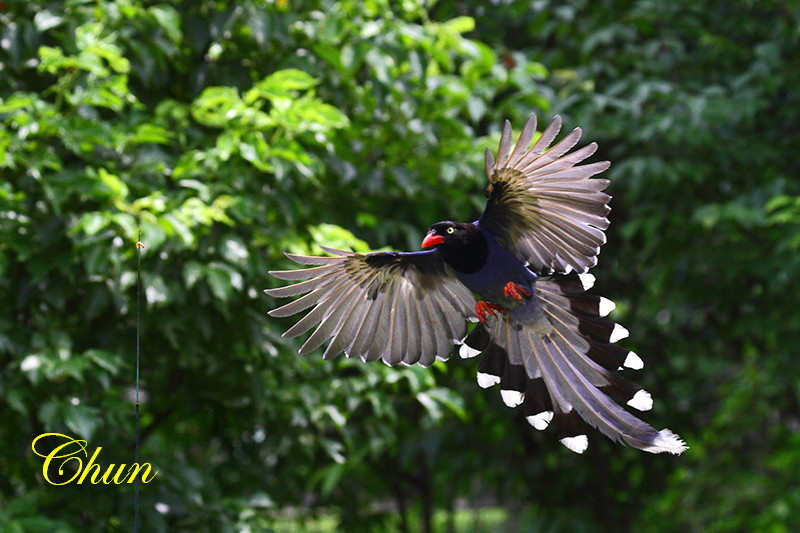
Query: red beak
x=431 y=239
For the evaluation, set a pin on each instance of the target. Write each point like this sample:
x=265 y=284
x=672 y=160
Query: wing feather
x=505 y=145
x=369 y=335
x=543 y=205
x=336 y=313
x=398 y=307
x=324 y=298
x=427 y=345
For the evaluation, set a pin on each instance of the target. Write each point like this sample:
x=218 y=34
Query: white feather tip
x=577 y=444
x=618 y=334
x=633 y=361
x=642 y=401
x=467 y=352
x=587 y=280
x=606 y=306
x=667 y=441
x=512 y=398
x=487 y=380
x=540 y=420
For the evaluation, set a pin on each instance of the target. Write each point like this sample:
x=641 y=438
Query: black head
x=449 y=234
x=462 y=245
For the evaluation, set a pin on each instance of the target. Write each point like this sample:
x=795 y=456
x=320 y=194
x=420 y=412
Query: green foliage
x=223 y=133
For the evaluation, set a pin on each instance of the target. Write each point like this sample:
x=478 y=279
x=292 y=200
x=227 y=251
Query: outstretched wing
x=398 y=307
x=542 y=205
x=571 y=372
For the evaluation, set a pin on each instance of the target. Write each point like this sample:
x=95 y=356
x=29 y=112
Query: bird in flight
x=519 y=273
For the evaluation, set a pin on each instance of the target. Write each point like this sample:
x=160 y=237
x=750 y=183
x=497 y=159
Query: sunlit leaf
x=285 y=83
x=81 y=420
x=170 y=20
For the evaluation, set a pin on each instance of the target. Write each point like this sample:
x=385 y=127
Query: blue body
x=500 y=268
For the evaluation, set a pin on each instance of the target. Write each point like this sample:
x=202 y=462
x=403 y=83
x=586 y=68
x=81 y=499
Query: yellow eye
x=451 y=230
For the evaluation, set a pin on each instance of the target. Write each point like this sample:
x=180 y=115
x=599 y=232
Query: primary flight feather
x=543 y=339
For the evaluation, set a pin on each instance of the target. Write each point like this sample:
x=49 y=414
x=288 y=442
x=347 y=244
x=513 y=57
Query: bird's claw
x=512 y=290
x=482 y=309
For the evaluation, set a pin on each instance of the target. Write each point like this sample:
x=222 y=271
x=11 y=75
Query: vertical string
x=139 y=247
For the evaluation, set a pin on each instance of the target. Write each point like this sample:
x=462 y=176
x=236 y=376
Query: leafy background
x=228 y=132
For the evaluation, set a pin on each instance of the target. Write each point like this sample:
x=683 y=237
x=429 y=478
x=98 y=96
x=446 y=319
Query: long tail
x=571 y=372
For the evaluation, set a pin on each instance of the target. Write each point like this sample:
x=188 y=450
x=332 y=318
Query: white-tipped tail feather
x=606 y=306
x=667 y=441
x=587 y=280
x=467 y=352
x=642 y=401
x=618 y=334
x=577 y=444
x=541 y=420
x=512 y=398
x=487 y=380
x=569 y=373
x=633 y=361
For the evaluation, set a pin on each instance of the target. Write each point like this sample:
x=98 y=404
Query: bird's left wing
x=542 y=204
x=399 y=307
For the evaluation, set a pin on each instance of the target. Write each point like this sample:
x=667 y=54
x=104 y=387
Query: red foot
x=483 y=308
x=512 y=290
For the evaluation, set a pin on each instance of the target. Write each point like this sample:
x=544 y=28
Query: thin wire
x=139 y=247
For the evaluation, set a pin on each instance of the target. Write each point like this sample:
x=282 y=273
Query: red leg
x=512 y=290
x=482 y=309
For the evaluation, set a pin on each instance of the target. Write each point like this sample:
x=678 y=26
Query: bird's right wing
x=399 y=307
x=543 y=205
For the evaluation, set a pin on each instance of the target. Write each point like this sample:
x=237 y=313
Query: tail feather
x=574 y=349
x=537 y=407
x=594 y=406
x=572 y=431
x=492 y=366
x=513 y=385
x=569 y=373
x=613 y=357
